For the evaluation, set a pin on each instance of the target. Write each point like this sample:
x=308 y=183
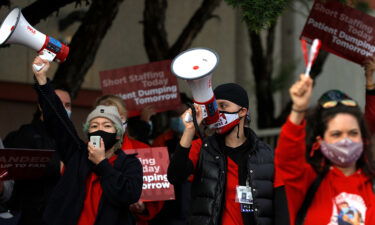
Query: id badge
x=244 y=195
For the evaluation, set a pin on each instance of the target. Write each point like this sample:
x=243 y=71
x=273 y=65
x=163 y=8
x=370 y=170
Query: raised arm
x=290 y=150
x=187 y=152
x=300 y=93
x=54 y=114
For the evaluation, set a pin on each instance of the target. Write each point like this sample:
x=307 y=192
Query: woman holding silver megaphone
x=232 y=170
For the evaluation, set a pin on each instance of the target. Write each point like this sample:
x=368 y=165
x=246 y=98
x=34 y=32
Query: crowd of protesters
x=321 y=171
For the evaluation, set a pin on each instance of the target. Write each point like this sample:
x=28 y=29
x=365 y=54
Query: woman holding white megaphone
x=99 y=181
x=232 y=170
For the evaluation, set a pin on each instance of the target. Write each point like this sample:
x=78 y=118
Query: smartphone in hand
x=95 y=140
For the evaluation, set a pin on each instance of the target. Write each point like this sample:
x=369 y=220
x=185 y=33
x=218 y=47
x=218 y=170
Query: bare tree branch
x=75 y=16
x=195 y=25
x=4 y=3
x=154 y=33
x=85 y=44
x=41 y=9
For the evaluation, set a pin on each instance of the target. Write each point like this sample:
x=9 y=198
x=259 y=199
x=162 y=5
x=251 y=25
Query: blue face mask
x=177 y=125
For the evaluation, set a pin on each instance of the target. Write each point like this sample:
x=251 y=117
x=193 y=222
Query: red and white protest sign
x=20 y=164
x=155 y=161
x=150 y=84
x=344 y=31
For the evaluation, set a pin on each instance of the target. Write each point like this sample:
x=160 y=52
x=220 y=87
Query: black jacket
x=208 y=188
x=30 y=196
x=121 y=183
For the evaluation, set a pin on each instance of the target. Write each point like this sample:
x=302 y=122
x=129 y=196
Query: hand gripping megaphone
x=16 y=30
x=196 y=66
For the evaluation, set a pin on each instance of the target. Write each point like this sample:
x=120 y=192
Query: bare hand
x=188 y=114
x=96 y=155
x=40 y=75
x=138 y=207
x=147 y=112
x=301 y=92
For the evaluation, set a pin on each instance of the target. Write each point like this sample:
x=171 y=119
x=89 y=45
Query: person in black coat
x=30 y=196
x=98 y=183
x=232 y=170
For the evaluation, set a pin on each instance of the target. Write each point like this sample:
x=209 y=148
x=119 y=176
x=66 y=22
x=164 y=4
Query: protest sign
x=18 y=164
x=344 y=31
x=155 y=161
x=150 y=84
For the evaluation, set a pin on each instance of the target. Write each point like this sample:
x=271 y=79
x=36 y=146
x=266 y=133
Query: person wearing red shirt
x=99 y=183
x=144 y=211
x=231 y=171
x=325 y=161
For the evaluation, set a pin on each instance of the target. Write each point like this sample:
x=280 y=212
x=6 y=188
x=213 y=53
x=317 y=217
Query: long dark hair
x=317 y=122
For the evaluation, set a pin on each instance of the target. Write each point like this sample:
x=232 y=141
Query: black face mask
x=109 y=139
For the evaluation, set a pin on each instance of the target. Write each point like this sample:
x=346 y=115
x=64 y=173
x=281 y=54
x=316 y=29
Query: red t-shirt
x=93 y=194
x=231 y=212
x=339 y=198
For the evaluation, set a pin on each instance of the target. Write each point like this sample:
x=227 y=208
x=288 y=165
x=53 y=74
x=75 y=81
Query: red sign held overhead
x=150 y=84
x=344 y=31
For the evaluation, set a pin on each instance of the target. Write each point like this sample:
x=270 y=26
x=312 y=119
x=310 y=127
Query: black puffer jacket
x=208 y=188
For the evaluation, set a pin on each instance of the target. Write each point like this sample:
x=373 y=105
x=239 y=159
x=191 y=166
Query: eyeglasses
x=333 y=103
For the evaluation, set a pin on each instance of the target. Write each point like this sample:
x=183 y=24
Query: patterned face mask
x=227 y=121
x=342 y=153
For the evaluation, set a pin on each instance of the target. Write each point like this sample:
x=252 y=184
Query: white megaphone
x=16 y=30
x=196 y=66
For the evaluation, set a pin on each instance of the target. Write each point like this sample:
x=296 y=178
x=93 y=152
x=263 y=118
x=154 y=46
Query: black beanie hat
x=233 y=93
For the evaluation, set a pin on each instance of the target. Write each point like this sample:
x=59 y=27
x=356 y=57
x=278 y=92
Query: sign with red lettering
x=344 y=31
x=18 y=164
x=155 y=161
x=150 y=84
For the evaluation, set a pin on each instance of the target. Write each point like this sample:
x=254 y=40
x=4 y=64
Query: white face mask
x=68 y=112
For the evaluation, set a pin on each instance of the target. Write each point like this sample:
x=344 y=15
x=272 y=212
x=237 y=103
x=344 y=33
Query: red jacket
x=338 y=198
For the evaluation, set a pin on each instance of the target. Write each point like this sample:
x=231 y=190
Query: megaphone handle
x=188 y=117
x=46 y=55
